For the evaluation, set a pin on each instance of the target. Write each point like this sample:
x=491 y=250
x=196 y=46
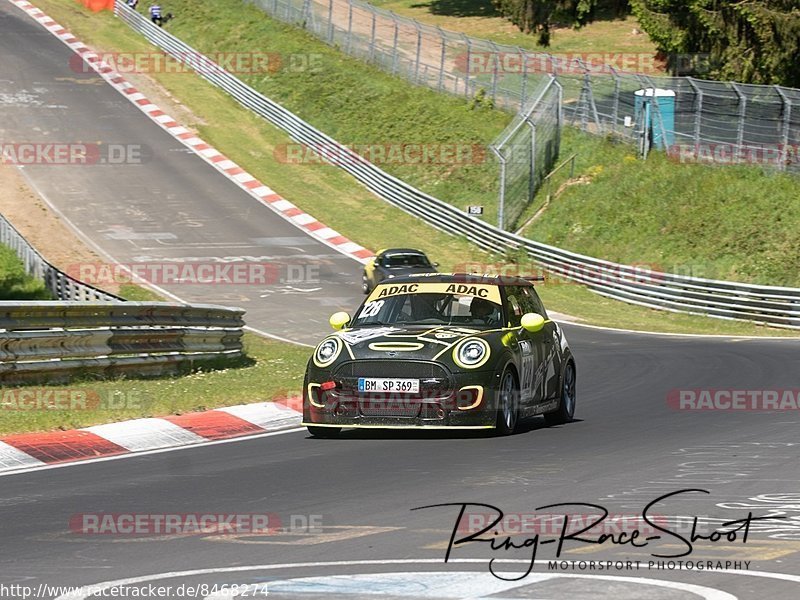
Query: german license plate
x=372 y=384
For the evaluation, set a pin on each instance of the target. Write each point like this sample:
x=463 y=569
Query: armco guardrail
x=765 y=304
x=55 y=340
x=59 y=284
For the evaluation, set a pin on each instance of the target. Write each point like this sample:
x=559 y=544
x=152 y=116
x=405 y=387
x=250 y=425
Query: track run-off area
x=342 y=519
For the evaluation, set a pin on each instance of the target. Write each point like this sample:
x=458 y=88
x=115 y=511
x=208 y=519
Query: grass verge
x=725 y=222
x=270 y=370
x=326 y=192
x=15 y=283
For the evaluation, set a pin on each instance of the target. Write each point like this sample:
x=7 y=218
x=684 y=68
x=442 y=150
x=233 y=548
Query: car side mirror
x=435 y=264
x=339 y=320
x=532 y=322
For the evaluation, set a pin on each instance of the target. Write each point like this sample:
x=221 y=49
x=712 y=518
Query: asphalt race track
x=342 y=507
x=172 y=206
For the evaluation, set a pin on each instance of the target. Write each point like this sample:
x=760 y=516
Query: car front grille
x=434 y=380
x=396 y=409
x=391 y=368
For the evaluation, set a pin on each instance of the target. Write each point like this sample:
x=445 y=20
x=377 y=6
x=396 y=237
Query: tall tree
x=752 y=41
x=539 y=16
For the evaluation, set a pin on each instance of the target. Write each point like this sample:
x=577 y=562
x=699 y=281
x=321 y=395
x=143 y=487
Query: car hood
x=411 y=343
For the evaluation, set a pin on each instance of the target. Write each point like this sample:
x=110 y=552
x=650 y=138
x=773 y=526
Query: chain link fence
x=692 y=119
x=673 y=292
x=527 y=150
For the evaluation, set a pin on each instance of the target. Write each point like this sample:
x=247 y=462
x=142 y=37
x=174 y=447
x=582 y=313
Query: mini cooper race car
x=441 y=351
x=395 y=262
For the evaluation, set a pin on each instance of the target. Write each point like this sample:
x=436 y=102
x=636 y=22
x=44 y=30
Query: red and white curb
x=211 y=155
x=25 y=451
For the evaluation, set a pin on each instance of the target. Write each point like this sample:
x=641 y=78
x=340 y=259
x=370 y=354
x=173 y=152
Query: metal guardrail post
x=331 y=31
x=495 y=61
x=501 y=200
x=615 y=106
x=372 y=39
x=698 y=111
x=468 y=67
x=742 y=115
x=524 y=83
x=419 y=52
x=394 y=45
x=349 y=25
x=443 y=40
x=787 y=123
x=559 y=113
x=532 y=174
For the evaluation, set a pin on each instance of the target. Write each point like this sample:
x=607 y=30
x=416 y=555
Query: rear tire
x=566 y=402
x=324 y=432
x=507 y=404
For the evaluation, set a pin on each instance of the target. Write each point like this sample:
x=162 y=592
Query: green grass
x=355 y=103
x=15 y=283
x=270 y=370
x=325 y=191
x=727 y=222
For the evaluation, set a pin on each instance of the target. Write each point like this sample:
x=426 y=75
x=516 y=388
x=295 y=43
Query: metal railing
x=527 y=150
x=54 y=341
x=60 y=285
x=765 y=304
x=706 y=120
x=90 y=331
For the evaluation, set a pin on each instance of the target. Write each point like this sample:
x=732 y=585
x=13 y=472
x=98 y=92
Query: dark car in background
x=441 y=351
x=395 y=262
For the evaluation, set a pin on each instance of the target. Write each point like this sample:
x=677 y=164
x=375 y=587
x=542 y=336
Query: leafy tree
x=539 y=16
x=752 y=41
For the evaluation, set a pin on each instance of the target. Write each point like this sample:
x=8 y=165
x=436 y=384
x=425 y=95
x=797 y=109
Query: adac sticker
x=489 y=292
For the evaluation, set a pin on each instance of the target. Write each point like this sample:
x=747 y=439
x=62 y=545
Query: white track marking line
x=85 y=591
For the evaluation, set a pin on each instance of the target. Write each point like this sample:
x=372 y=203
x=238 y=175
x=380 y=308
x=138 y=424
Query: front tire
x=566 y=403
x=507 y=404
x=324 y=432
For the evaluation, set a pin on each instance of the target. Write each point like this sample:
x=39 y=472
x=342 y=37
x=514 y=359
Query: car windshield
x=395 y=261
x=430 y=309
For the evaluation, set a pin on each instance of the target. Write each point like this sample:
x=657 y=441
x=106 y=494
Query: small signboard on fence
x=475 y=210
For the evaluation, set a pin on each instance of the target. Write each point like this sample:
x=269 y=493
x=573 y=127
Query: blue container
x=660 y=119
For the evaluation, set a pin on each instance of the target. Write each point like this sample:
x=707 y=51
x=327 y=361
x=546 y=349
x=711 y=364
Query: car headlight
x=327 y=352
x=471 y=353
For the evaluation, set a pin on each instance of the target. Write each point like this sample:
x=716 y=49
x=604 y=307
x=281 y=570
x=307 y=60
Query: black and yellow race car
x=441 y=351
x=395 y=262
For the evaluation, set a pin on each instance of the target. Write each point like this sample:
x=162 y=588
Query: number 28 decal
x=371 y=309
